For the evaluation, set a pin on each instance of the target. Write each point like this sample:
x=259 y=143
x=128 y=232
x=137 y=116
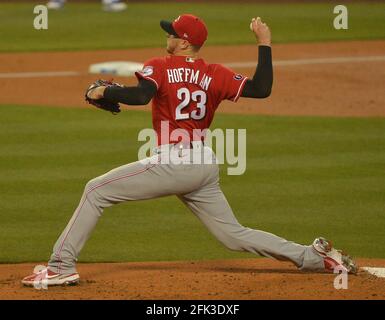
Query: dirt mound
x=245 y=279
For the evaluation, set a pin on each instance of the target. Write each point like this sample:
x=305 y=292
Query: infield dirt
x=218 y=279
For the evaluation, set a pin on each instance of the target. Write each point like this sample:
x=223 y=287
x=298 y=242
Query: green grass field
x=305 y=177
x=86 y=26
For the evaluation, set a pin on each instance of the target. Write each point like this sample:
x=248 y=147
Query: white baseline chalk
x=246 y=64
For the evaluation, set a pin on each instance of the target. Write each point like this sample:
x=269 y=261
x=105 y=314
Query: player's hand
x=261 y=31
x=96 y=93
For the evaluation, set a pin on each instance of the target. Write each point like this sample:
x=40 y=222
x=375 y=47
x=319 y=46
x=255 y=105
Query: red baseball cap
x=188 y=27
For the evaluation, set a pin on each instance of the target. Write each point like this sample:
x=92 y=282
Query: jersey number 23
x=185 y=97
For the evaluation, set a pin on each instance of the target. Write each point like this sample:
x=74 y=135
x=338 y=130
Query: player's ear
x=185 y=44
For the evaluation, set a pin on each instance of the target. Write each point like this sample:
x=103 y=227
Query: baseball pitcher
x=185 y=92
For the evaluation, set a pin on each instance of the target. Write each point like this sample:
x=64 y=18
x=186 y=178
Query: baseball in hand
x=261 y=31
x=252 y=21
x=251 y=24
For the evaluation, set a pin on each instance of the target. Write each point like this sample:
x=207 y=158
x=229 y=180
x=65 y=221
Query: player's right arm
x=261 y=83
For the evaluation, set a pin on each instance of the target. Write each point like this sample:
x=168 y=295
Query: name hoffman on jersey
x=188 y=75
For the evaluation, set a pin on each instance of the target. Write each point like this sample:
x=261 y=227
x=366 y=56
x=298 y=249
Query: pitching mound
x=220 y=279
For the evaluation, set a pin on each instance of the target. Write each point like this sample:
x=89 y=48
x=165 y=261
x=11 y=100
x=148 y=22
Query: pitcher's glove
x=102 y=103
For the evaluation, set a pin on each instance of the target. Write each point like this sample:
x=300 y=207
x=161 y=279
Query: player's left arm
x=261 y=83
x=149 y=81
x=139 y=95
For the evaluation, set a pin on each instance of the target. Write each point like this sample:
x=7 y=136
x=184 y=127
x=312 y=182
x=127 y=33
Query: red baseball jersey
x=189 y=92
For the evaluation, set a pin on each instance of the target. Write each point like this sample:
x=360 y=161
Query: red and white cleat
x=43 y=277
x=334 y=258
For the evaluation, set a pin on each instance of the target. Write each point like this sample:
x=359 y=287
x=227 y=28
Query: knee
x=233 y=239
x=233 y=244
x=91 y=188
x=93 y=184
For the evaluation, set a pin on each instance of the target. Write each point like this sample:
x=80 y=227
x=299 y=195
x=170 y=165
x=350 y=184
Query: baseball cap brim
x=167 y=26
